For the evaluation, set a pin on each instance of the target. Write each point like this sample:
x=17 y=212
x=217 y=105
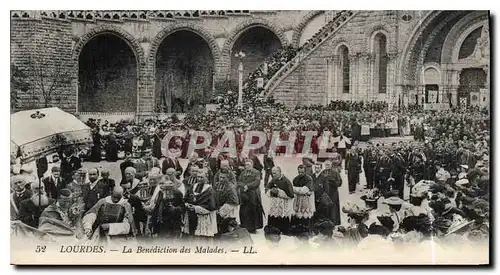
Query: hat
x=479 y=164
x=420 y=189
x=393 y=201
x=458 y=227
x=464 y=166
x=462 y=182
x=354 y=209
x=447 y=208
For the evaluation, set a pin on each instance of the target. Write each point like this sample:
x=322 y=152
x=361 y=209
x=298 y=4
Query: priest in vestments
x=166 y=211
x=111 y=218
x=31 y=209
x=330 y=180
x=304 y=204
x=62 y=219
x=226 y=197
x=280 y=192
x=251 y=211
x=201 y=219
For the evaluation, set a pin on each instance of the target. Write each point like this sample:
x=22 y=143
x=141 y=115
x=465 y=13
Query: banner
x=432 y=96
x=474 y=98
x=484 y=97
x=365 y=129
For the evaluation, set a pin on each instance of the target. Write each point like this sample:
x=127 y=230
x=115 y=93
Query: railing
x=308 y=48
x=113 y=117
x=107 y=15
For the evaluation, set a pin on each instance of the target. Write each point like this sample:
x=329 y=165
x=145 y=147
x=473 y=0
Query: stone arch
x=460 y=30
x=127 y=37
x=432 y=66
x=225 y=58
x=386 y=30
x=106 y=29
x=156 y=42
x=437 y=30
x=339 y=43
x=297 y=31
x=405 y=62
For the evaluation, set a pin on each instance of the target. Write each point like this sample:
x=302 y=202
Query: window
x=381 y=62
x=345 y=66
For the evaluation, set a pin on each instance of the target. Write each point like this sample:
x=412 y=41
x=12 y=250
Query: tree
x=48 y=70
x=17 y=83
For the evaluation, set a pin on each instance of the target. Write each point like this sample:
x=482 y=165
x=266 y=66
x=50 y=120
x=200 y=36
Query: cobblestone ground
x=288 y=165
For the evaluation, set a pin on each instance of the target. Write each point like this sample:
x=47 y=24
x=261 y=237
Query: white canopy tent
x=40 y=132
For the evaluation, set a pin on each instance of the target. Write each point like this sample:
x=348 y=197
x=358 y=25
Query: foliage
x=18 y=83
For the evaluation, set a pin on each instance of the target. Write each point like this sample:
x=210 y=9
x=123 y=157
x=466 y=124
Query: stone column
x=353 y=77
x=371 y=77
x=336 y=72
x=454 y=83
x=392 y=95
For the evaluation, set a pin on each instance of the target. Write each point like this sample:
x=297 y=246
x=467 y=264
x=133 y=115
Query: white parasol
x=38 y=133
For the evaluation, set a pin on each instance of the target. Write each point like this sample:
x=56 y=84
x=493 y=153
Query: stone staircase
x=340 y=19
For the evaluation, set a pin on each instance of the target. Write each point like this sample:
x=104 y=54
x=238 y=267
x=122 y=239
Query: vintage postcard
x=250 y=137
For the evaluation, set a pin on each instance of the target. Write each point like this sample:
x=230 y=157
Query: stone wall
x=322 y=83
x=59 y=37
x=42 y=50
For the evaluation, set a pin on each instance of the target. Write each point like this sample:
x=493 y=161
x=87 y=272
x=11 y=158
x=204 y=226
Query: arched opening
x=380 y=51
x=257 y=43
x=432 y=80
x=469 y=45
x=107 y=75
x=184 y=72
x=472 y=80
x=345 y=68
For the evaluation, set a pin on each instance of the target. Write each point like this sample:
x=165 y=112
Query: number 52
x=40 y=248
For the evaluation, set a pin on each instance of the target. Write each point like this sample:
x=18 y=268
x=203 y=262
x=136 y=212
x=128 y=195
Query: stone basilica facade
x=128 y=61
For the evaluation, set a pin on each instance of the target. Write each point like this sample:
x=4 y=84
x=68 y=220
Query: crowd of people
x=445 y=167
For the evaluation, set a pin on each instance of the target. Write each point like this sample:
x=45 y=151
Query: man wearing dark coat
x=157 y=144
x=280 y=192
x=69 y=165
x=251 y=211
x=31 y=209
x=238 y=164
x=369 y=163
x=95 y=153
x=97 y=189
x=268 y=165
x=353 y=169
x=398 y=170
x=139 y=213
x=18 y=194
x=41 y=167
x=171 y=161
x=191 y=180
x=330 y=180
x=125 y=164
x=54 y=183
x=107 y=183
